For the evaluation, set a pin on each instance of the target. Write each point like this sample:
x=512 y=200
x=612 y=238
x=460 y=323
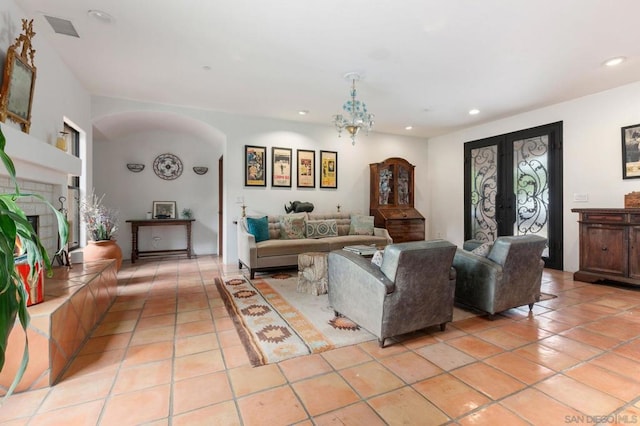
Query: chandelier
x=355 y=115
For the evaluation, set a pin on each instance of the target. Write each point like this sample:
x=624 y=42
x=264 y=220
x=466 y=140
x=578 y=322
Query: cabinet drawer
x=604 y=217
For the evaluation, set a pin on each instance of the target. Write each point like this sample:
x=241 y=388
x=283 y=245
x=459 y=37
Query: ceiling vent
x=62 y=26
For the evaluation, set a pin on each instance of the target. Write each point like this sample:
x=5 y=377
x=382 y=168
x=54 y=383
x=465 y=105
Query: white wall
x=592 y=161
x=353 y=167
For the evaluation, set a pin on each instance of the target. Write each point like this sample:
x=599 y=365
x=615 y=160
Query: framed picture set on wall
x=281 y=167
x=306 y=168
x=328 y=169
x=255 y=165
x=631 y=152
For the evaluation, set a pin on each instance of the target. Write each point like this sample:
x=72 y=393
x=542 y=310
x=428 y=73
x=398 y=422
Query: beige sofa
x=277 y=253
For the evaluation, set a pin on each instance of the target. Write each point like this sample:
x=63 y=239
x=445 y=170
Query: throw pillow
x=361 y=225
x=377 y=258
x=321 y=228
x=291 y=227
x=258 y=227
x=483 y=249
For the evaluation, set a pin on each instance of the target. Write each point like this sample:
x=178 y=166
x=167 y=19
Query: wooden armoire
x=391 y=200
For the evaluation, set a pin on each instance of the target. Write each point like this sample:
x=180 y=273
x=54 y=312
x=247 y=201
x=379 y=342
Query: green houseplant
x=102 y=225
x=16 y=231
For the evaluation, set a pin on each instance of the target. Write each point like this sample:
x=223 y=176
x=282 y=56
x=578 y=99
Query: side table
x=312 y=273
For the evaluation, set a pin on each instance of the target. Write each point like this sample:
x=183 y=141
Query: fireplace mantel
x=37 y=160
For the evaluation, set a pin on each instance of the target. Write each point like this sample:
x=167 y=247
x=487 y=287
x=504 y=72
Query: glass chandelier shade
x=355 y=115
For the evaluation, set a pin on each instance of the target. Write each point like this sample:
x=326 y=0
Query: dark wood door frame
x=220 y=206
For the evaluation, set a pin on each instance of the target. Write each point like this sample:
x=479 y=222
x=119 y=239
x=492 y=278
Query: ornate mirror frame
x=19 y=79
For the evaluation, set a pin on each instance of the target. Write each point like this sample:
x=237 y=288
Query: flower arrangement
x=101 y=221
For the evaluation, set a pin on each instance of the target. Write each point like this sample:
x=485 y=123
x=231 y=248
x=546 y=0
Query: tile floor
x=167 y=353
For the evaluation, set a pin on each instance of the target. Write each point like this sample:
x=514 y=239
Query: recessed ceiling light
x=408 y=128
x=474 y=111
x=614 y=61
x=100 y=15
x=303 y=112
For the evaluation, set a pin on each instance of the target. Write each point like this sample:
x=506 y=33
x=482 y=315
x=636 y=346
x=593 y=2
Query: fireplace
x=34 y=220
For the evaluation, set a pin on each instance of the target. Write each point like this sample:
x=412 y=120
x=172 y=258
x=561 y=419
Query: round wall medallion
x=167 y=166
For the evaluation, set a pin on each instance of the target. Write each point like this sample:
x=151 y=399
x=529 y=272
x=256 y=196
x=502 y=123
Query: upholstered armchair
x=507 y=275
x=412 y=289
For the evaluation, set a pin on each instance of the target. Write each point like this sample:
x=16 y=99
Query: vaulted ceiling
x=425 y=63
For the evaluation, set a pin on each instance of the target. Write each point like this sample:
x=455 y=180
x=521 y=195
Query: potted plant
x=16 y=231
x=102 y=225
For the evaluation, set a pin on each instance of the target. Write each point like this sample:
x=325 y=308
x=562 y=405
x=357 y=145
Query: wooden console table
x=135 y=224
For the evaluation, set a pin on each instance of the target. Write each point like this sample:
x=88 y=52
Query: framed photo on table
x=164 y=210
x=328 y=169
x=281 y=167
x=306 y=168
x=631 y=152
x=255 y=165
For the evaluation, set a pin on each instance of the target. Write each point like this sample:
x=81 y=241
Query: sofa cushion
x=361 y=225
x=258 y=227
x=483 y=249
x=343 y=220
x=321 y=228
x=292 y=226
x=292 y=247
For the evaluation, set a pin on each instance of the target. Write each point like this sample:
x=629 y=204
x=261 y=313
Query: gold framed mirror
x=19 y=79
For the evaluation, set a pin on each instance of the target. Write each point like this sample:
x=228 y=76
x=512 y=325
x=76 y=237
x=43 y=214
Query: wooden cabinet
x=609 y=245
x=391 y=200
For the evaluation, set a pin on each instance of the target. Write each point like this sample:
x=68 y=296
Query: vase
x=101 y=250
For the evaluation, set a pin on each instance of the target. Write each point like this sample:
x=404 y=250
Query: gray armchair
x=509 y=276
x=411 y=290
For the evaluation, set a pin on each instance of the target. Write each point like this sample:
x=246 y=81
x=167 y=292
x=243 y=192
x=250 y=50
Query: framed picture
x=631 y=152
x=164 y=210
x=19 y=80
x=281 y=167
x=328 y=169
x=255 y=165
x=306 y=168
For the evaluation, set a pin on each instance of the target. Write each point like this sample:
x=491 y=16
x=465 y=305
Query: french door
x=513 y=186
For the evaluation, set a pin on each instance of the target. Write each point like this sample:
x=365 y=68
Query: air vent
x=62 y=26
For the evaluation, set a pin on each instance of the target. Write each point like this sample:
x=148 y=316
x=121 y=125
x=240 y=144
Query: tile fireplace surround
x=75 y=300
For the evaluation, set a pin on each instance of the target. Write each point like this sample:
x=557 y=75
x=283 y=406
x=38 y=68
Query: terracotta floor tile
x=223 y=324
x=411 y=367
x=156 y=321
x=194 y=344
x=373 y=348
x=445 y=356
x=617 y=327
x=278 y=406
x=117 y=316
x=76 y=391
x=324 y=393
x=148 y=353
x=549 y=324
x=115 y=327
x=521 y=368
x=191 y=316
x=488 y=380
x=128 y=406
x=201 y=391
x=105 y=343
x=371 y=379
x=475 y=347
x=494 y=414
x=424 y=340
x=597 y=340
x=224 y=413
x=346 y=357
x=571 y=347
x=546 y=356
x=95 y=363
x=406 y=406
x=618 y=364
x=197 y=364
x=359 y=414
x=194 y=328
x=229 y=338
x=528 y=404
x=235 y=356
x=451 y=395
x=79 y=414
x=22 y=405
x=579 y=396
x=143 y=376
x=630 y=350
x=501 y=338
x=303 y=367
x=152 y=335
x=247 y=379
x=621 y=387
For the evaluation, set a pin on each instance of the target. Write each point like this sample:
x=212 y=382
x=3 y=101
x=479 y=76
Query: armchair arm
x=472 y=244
x=348 y=267
x=471 y=267
x=247 y=250
x=382 y=232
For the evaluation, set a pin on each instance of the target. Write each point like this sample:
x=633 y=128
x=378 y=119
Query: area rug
x=275 y=322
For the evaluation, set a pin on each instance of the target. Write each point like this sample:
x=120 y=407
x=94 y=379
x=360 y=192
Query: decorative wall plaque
x=167 y=166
